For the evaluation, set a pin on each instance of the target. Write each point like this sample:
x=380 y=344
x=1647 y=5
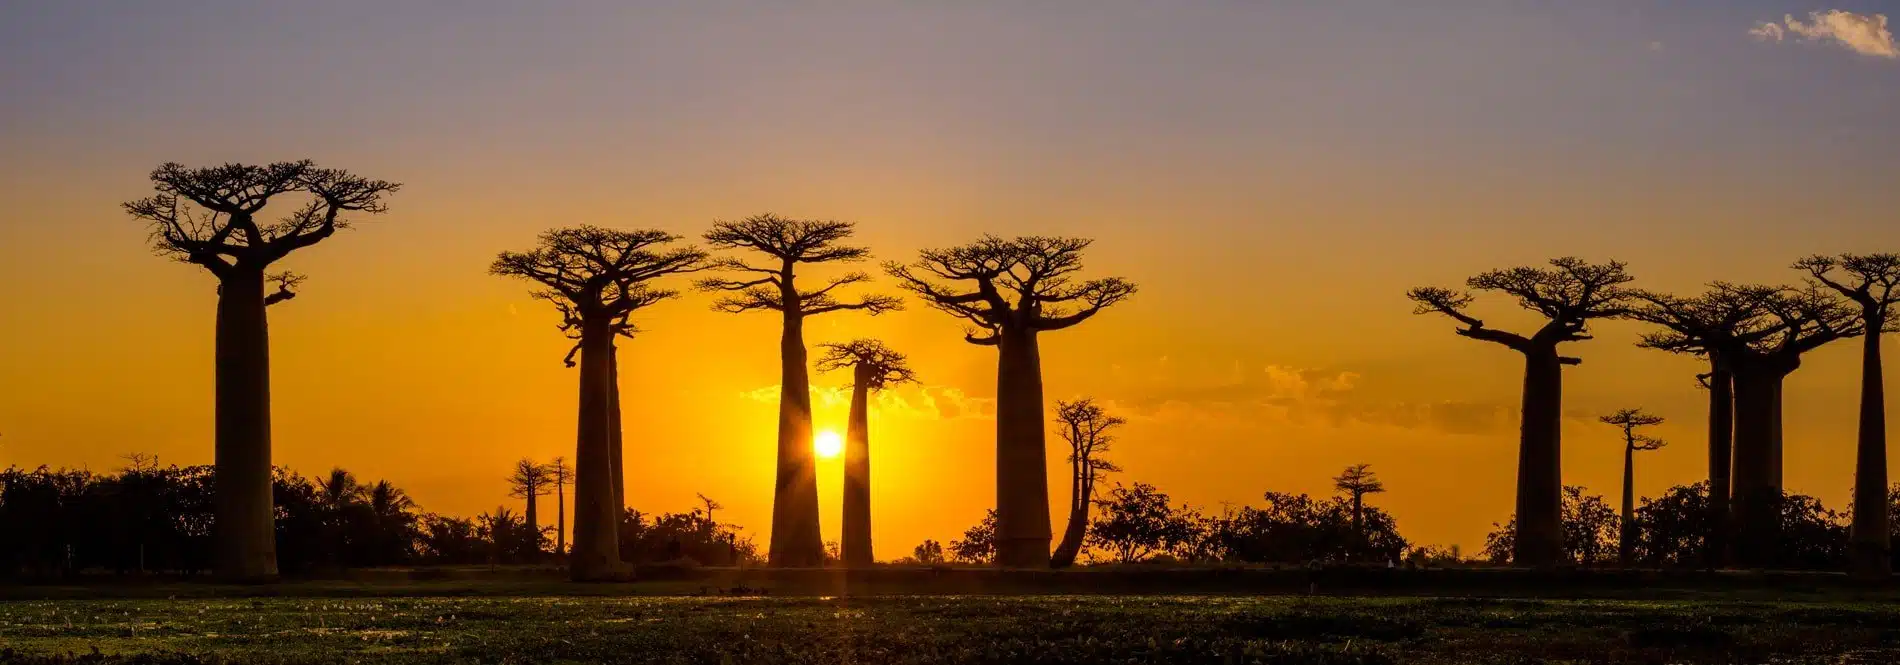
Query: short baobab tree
x=1010 y=292
x=1871 y=282
x=1086 y=427
x=771 y=286
x=530 y=481
x=210 y=217
x=601 y=276
x=874 y=367
x=1357 y=481
x=1726 y=317
x=1630 y=420
x=1569 y=294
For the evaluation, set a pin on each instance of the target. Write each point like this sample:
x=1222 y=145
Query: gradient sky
x=1273 y=174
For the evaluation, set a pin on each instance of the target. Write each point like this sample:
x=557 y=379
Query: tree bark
x=246 y=539
x=856 y=548
x=1626 y=531
x=560 y=518
x=1540 y=534
x=796 y=542
x=596 y=554
x=1022 y=483
x=1721 y=445
x=1757 y=483
x=534 y=527
x=1871 y=546
x=616 y=433
x=1080 y=491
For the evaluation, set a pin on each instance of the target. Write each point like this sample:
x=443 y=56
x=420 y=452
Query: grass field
x=944 y=629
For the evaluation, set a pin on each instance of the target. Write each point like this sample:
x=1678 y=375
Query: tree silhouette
x=622 y=327
x=338 y=494
x=1085 y=427
x=1629 y=420
x=773 y=287
x=1569 y=294
x=1871 y=282
x=1795 y=321
x=1010 y=291
x=599 y=277
x=1357 y=481
x=1727 y=317
x=874 y=367
x=979 y=542
x=561 y=474
x=530 y=481
x=209 y=217
x=929 y=552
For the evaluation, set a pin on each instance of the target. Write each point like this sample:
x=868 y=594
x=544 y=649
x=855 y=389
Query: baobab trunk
x=246 y=538
x=1721 y=442
x=596 y=552
x=534 y=526
x=856 y=547
x=1626 y=531
x=560 y=519
x=1359 y=524
x=1022 y=483
x=1870 y=542
x=1757 y=483
x=1072 y=535
x=616 y=433
x=795 y=538
x=1540 y=534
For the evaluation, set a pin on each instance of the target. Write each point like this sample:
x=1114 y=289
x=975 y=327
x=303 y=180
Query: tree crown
x=790 y=242
x=207 y=216
x=1569 y=294
x=595 y=274
x=883 y=367
x=1358 y=479
x=1023 y=284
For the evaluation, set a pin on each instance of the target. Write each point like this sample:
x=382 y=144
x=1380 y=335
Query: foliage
x=1300 y=528
x=1590 y=528
x=1138 y=522
x=928 y=553
x=690 y=535
x=979 y=542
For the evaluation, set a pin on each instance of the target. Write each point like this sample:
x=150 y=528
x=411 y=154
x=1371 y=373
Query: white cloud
x=1866 y=34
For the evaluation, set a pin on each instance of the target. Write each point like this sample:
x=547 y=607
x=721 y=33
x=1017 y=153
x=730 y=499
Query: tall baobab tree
x=1357 y=481
x=771 y=285
x=601 y=276
x=1629 y=420
x=212 y=217
x=1011 y=291
x=1800 y=320
x=1871 y=282
x=561 y=474
x=874 y=367
x=1569 y=295
x=530 y=481
x=1726 y=317
x=1085 y=426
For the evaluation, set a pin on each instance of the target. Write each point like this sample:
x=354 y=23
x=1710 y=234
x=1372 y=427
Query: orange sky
x=1273 y=213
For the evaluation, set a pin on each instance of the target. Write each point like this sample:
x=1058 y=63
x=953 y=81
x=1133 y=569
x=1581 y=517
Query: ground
x=325 y=624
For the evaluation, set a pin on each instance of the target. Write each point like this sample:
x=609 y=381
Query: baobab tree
x=622 y=327
x=530 y=481
x=212 y=217
x=1011 y=291
x=1569 y=294
x=772 y=286
x=561 y=474
x=1629 y=420
x=1357 y=481
x=1726 y=317
x=1085 y=427
x=601 y=276
x=874 y=367
x=1872 y=283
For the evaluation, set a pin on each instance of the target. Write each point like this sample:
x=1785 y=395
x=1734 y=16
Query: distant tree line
x=148 y=518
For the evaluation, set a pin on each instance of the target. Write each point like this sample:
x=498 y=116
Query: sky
x=1274 y=175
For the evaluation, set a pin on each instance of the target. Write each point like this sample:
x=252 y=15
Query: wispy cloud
x=1866 y=34
x=1305 y=397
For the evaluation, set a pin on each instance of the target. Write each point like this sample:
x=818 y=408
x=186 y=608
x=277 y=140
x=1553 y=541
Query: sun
x=828 y=444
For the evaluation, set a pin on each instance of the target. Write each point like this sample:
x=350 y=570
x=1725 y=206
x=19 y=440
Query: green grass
x=942 y=629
